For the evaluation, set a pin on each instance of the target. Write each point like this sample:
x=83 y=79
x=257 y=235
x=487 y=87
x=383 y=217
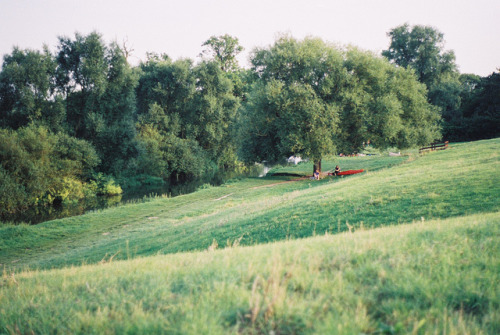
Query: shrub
x=104 y=185
x=205 y=186
x=40 y=167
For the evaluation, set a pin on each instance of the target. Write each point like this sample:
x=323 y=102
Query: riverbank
x=417 y=188
x=409 y=246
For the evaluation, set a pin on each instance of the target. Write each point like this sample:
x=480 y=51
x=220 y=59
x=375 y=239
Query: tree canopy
x=99 y=89
x=467 y=111
x=223 y=49
x=480 y=117
x=76 y=119
x=421 y=48
x=313 y=99
x=27 y=90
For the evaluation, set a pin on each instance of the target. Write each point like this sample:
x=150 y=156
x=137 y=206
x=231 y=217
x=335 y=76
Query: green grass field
x=409 y=246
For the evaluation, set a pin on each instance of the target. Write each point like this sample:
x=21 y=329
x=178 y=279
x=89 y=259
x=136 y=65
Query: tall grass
x=438 y=276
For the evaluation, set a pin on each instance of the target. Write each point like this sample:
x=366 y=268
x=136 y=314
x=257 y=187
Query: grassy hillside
x=436 y=277
x=459 y=181
x=410 y=246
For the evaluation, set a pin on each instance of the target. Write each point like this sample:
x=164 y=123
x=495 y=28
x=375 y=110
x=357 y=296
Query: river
x=38 y=214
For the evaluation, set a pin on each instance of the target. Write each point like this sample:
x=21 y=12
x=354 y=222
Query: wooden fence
x=435 y=146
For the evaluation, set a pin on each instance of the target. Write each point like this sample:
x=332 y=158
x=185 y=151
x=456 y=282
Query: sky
x=178 y=28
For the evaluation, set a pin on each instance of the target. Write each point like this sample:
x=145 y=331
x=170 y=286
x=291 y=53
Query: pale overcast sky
x=178 y=28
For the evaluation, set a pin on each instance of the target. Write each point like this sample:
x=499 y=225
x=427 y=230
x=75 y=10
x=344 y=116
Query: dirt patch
x=225 y=196
x=286 y=174
x=281 y=182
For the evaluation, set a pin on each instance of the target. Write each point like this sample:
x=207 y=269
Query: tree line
x=82 y=121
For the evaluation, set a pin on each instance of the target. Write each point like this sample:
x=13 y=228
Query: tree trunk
x=317 y=166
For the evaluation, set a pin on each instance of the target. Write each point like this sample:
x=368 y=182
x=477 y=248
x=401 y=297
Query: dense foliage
x=313 y=99
x=38 y=166
x=166 y=120
x=28 y=90
x=479 y=115
x=74 y=121
x=467 y=102
x=185 y=115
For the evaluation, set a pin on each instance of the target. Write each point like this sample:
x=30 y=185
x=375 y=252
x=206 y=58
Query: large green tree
x=294 y=106
x=170 y=85
x=480 y=116
x=466 y=101
x=116 y=141
x=223 y=50
x=385 y=105
x=313 y=99
x=186 y=110
x=166 y=129
x=27 y=90
x=99 y=89
x=214 y=113
x=81 y=75
x=421 y=48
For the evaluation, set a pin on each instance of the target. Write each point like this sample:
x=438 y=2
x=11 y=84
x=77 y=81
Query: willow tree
x=27 y=91
x=313 y=99
x=99 y=87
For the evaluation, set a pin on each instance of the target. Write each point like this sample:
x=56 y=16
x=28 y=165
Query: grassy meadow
x=409 y=246
x=440 y=277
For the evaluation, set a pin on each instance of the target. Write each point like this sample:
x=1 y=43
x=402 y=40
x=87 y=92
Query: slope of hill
x=461 y=180
x=433 y=268
x=440 y=276
x=458 y=181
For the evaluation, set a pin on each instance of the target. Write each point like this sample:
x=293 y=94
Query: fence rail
x=435 y=146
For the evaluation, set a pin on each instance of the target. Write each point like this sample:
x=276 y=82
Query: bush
x=104 y=185
x=12 y=194
x=110 y=188
x=205 y=186
x=40 y=167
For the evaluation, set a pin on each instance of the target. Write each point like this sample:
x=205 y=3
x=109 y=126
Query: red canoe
x=348 y=172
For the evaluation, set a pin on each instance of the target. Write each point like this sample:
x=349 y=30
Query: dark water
x=40 y=214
